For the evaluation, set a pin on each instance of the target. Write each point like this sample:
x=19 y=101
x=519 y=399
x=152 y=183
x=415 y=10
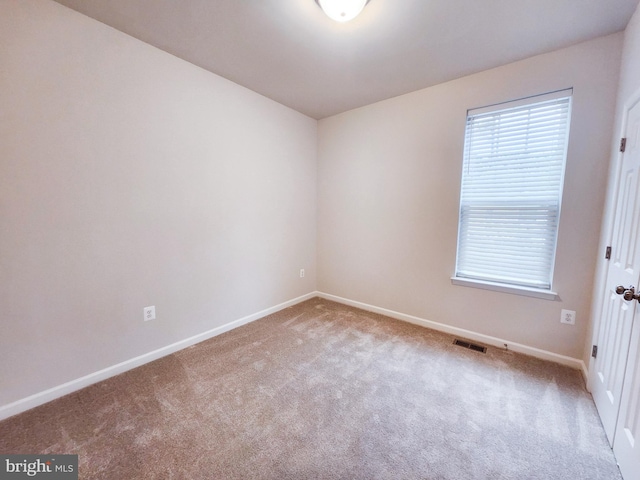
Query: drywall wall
x=132 y=178
x=388 y=197
x=630 y=67
x=628 y=89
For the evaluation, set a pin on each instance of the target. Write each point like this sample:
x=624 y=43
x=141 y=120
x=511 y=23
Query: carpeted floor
x=324 y=391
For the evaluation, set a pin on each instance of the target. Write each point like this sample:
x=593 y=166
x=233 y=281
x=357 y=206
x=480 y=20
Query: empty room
x=319 y=239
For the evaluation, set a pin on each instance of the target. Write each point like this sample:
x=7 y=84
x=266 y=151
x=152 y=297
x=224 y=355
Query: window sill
x=501 y=287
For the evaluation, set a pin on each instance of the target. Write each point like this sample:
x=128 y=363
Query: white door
x=615 y=377
x=617 y=315
x=628 y=425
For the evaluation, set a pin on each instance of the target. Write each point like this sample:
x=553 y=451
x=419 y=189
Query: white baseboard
x=574 y=363
x=45 y=396
x=585 y=374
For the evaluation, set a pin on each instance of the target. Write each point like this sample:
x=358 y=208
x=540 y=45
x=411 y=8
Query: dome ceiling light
x=342 y=10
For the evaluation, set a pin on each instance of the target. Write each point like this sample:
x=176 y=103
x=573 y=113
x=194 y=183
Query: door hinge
x=594 y=351
x=607 y=254
x=623 y=144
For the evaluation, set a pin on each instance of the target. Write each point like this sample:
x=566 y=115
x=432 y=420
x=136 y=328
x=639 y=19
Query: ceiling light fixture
x=342 y=10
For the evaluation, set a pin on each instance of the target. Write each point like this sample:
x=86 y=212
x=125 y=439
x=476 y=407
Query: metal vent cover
x=470 y=346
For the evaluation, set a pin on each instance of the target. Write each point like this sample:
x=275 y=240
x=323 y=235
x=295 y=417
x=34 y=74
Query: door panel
x=627 y=430
x=612 y=352
x=626 y=444
x=617 y=315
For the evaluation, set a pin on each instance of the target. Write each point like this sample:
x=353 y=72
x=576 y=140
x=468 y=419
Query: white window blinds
x=513 y=171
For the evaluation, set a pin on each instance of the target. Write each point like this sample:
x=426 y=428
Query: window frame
x=507 y=286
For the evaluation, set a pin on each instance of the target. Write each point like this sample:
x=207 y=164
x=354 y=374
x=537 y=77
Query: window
x=512 y=177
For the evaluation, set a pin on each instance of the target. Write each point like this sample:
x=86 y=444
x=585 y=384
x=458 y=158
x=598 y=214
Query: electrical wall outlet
x=302 y=273
x=568 y=317
x=149 y=313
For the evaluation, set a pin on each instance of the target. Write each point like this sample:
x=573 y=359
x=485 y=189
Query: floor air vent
x=470 y=346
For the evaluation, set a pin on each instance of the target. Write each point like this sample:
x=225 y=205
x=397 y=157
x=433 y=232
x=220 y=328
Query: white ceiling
x=288 y=50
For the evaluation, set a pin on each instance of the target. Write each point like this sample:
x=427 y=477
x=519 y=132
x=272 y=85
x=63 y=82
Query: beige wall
x=388 y=190
x=629 y=88
x=131 y=178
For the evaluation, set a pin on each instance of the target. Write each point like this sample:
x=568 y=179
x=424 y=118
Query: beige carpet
x=324 y=391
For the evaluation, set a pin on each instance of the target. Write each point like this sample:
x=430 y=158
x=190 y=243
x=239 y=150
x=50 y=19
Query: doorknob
x=628 y=293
